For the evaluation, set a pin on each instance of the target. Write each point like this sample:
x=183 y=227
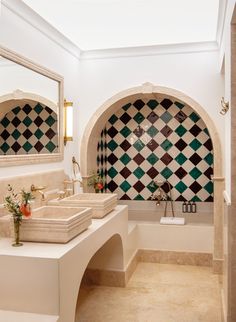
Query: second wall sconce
x=68 y=121
x=225 y=106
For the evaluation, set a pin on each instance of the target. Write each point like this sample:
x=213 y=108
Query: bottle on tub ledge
x=189 y=206
x=194 y=207
x=184 y=207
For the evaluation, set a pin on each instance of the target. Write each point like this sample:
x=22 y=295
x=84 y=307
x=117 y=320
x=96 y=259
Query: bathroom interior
x=128 y=152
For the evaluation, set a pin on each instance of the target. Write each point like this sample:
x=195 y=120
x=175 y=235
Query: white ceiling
x=103 y=24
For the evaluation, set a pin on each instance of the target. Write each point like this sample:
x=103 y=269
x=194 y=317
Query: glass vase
x=17 y=223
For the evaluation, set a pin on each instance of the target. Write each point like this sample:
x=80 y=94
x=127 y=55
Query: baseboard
x=170 y=257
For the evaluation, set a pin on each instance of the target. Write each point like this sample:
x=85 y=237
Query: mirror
x=31 y=111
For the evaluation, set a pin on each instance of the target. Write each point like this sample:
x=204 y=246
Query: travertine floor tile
x=155 y=293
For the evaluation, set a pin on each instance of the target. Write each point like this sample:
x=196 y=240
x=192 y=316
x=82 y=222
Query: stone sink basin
x=53 y=224
x=101 y=203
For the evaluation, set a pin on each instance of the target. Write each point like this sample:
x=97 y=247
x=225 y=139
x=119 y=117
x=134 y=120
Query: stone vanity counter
x=44 y=279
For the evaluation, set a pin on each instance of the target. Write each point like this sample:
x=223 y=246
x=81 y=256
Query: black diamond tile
x=195 y=130
x=38 y=146
x=16 y=147
x=166 y=131
x=166 y=103
x=181 y=145
x=195 y=187
x=16 y=122
x=152 y=117
x=195 y=158
x=139 y=186
x=125 y=172
x=208 y=145
x=209 y=199
x=48 y=110
x=166 y=187
x=139 y=158
x=139 y=104
x=208 y=173
x=125 y=197
x=181 y=198
x=138 y=131
x=125 y=145
x=27 y=109
x=152 y=172
x=27 y=134
x=112 y=132
x=5 y=135
x=152 y=145
x=181 y=116
x=112 y=186
x=50 y=133
x=180 y=173
x=125 y=118
x=112 y=159
x=166 y=158
x=38 y=121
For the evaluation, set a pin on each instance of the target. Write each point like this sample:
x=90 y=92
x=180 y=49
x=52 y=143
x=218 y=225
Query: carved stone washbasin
x=101 y=203
x=55 y=224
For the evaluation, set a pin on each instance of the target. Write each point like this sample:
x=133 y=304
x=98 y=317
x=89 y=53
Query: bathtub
x=145 y=231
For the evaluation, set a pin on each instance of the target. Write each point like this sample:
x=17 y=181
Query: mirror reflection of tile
x=149 y=139
x=31 y=129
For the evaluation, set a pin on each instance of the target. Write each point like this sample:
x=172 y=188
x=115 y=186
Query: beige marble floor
x=155 y=293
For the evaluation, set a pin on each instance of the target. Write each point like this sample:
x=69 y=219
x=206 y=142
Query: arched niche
x=88 y=151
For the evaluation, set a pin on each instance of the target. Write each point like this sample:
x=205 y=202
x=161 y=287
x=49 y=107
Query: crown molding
x=20 y=9
x=150 y=50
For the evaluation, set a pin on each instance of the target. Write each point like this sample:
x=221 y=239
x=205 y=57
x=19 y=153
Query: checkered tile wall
x=157 y=140
x=29 y=130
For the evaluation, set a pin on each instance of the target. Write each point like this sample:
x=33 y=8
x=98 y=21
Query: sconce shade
x=68 y=121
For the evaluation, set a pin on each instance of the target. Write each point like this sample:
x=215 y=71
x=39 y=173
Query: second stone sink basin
x=55 y=224
x=101 y=203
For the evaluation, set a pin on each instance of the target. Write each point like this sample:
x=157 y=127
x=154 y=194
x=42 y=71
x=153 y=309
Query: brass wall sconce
x=225 y=106
x=68 y=121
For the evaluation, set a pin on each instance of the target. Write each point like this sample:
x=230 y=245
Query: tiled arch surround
x=156 y=139
x=149 y=91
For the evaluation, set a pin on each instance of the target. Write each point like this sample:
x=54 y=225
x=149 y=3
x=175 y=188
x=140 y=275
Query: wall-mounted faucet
x=162 y=195
x=34 y=188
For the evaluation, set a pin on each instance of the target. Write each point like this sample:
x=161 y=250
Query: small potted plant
x=18 y=205
x=97 y=181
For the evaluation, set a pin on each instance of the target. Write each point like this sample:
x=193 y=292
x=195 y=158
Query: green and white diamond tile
x=164 y=140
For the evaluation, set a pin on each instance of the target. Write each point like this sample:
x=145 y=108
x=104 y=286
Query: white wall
x=195 y=74
x=18 y=35
x=88 y=83
x=225 y=60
